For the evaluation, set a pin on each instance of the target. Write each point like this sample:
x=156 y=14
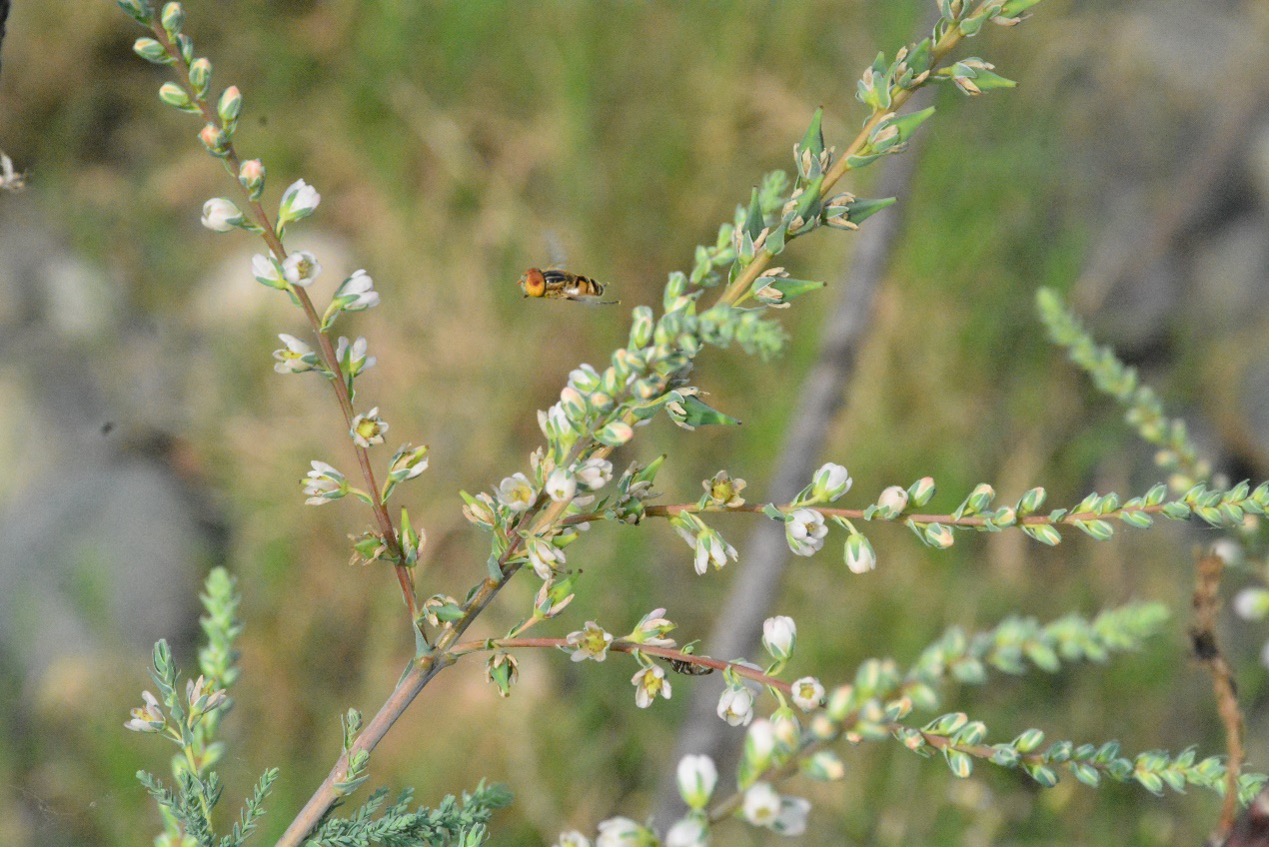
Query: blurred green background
x=145 y=437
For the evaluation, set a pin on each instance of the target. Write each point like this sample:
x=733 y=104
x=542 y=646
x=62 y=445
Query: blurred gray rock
x=103 y=535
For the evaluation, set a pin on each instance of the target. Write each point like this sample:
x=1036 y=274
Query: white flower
x=554 y=423
x=690 y=830
x=560 y=486
x=553 y=597
x=805 y=532
x=357 y=292
x=653 y=629
x=369 y=428
x=591 y=643
x=735 y=706
x=267 y=271
x=860 y=556
x=544 y=557
x=323 y=484
x=300 y=268
x=295 y=357
x=408 y=462
x=723 y=490
x=1252 y=603
x=299 y=200
x=480 y=510
x=761 y=805
x=354 y=358
x=892 y=500
x=758 y=746
x=807 y=693
x=651 y=682
x=778 y=635
x=146 y=719
x=594 y=473
x=622 y=831
x=516 y=492
x=571 y=837
x=791 y=819
x=696 y=779
x=221 y=215
x=1228 y=551
x=712 y=548
x=831 y=481
x=201 y=698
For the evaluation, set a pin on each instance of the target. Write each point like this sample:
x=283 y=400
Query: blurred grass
x=450 y=141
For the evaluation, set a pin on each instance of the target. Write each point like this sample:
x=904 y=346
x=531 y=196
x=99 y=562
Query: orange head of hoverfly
x=532 y=283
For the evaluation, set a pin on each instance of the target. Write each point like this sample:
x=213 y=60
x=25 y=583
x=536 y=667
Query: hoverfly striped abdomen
x=560 y=284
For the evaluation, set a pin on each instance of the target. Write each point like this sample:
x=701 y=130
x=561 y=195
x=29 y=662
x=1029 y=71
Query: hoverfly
x=553 y=283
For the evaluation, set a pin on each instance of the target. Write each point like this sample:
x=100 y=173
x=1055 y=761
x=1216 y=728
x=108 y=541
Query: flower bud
x=824 y=766
x=172 y=17
x=615 y=434
x=229 y=105
x=831 y=481
x=135 y=9
x=574 y=405
x=859 y=554
x=840 y=703
x=778 y=635
x=891 y=502
x=642 y=328
x=252 y=177
x=921 y=491
x=696 y=779
x=151 y=51
x=200 y=76
x=221 y=215
x=175 y=96
x=214 y=140
x=502 y=670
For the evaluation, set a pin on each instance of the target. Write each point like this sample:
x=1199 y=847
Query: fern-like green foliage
x=452 y=823
x=1111 y=376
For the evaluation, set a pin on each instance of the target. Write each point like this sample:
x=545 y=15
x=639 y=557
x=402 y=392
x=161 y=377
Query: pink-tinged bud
x=251 y=170
x=252 y=177
x=230 y=105
x=921 y=490
x=214 y=140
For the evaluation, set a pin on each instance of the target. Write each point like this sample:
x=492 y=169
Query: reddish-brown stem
x=672 y=510
x=624 y=647
x=327 y=351
x=1207 y=651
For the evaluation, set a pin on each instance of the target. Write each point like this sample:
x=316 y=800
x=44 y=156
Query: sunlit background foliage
x=145 y=438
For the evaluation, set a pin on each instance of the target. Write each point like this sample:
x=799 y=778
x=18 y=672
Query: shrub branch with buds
x=533 y=516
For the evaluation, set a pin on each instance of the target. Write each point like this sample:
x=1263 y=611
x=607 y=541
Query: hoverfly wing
x=591 y=300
